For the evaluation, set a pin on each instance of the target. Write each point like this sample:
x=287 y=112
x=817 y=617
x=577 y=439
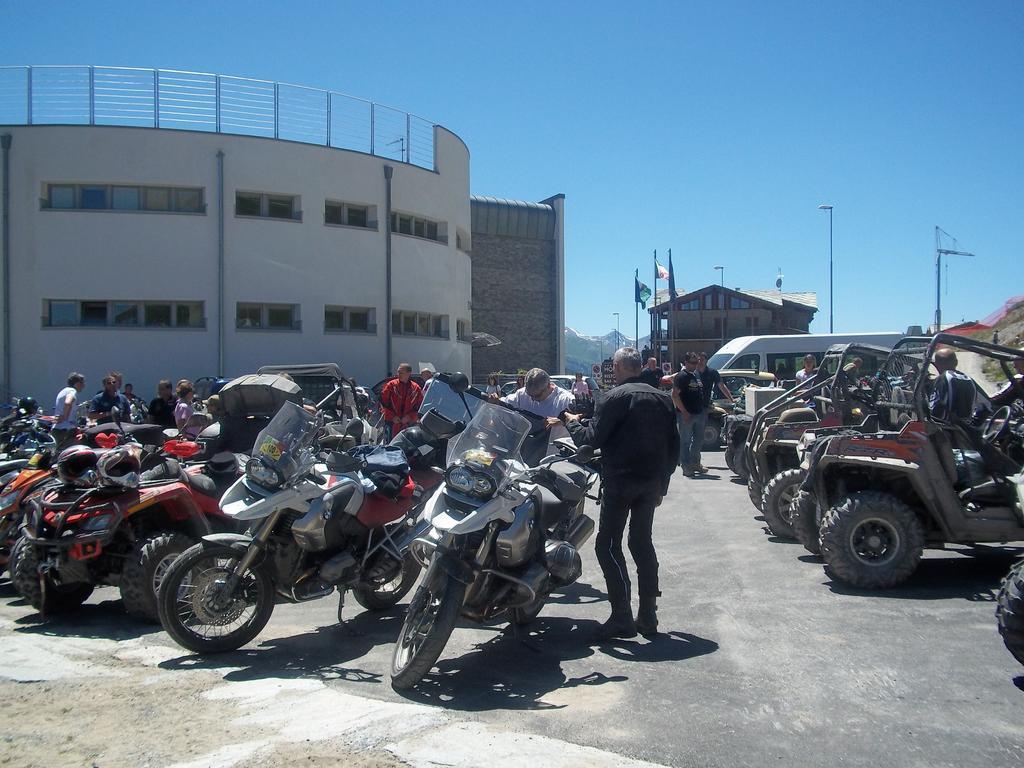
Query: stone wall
x=515 y=298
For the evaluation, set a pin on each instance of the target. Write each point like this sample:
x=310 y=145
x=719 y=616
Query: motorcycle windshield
x=444 y=400
x=493 y=439
x=286 y=443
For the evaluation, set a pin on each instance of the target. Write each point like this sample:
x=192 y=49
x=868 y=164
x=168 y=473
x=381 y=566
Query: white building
x=166 y=252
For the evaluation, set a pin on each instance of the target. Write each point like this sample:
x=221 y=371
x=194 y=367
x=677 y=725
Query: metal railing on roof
x=200 y=101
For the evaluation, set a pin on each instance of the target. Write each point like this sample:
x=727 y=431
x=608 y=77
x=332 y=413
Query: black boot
x=619 y=625
x=647 y=616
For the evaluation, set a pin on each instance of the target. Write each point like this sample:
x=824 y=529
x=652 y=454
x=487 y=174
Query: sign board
x=595 y=369
x=607 y=376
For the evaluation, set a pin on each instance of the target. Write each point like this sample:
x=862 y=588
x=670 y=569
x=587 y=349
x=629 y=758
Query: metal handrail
x=177 y=99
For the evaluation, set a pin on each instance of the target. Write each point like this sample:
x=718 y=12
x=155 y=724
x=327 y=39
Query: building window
x=462 y=241
x=350 y=214
x=405 y=323
x=267 y=206
x=407 y=224
x=693 y=304
x=126 y=314
x=274 y=317
x=707 y=301
x=350 y=319
x=123 y=314
x=116 y=197
x=158 y=315
x=125 y=198
x=462 y=330
x=62 y=313
x=735 y=303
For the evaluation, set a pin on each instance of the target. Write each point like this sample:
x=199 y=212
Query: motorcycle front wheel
x=195 y=610
x=428 y=625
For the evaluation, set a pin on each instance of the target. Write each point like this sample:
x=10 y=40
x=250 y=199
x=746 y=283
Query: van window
x=785 y=365
x=751 y=361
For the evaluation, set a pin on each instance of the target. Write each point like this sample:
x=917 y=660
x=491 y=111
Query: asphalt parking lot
x=762 y=661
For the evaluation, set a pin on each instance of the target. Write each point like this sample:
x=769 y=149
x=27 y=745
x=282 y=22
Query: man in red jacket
x=400 y=401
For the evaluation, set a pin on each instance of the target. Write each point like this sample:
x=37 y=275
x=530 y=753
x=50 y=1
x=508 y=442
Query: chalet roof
x=808 y=299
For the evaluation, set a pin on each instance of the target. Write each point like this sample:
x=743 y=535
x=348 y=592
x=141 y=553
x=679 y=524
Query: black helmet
x=28 y=405
x=76 y=465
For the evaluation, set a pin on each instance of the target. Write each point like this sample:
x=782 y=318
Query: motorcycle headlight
x=96 y=522
x=464 y=480
x=263 y=475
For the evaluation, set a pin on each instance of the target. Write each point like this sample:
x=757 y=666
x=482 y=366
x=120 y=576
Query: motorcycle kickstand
x=346 y=628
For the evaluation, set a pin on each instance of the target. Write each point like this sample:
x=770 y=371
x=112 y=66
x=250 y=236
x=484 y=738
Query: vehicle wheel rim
x=875 y=542
x=786 y=499
x=161 y=569
x=417 y=625
x=200 y=605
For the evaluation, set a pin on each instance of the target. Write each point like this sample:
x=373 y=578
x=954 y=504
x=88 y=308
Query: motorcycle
x=506 y=528
x=318 y=523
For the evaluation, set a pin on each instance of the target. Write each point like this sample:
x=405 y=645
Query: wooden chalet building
x=704 y=319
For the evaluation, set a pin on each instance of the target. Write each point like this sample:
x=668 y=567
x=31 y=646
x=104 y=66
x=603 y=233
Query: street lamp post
x=618 y=340
x=831 y=302
x=725 y=309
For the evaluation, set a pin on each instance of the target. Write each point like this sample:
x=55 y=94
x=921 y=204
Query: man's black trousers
x=634 y=502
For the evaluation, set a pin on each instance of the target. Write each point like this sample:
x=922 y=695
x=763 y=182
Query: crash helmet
x=77 y=466
x=28 y=405
x=119 y=466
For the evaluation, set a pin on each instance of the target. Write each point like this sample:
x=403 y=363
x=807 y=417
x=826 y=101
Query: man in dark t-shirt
x=161 y=408
x=651 y=374
x=688 y=397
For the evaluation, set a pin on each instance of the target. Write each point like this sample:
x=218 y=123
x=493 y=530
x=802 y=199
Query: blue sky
x=714 y=129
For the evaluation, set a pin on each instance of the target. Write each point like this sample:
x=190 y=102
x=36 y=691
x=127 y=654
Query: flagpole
x=656 y=317
x=671 y=330
x=636 y=309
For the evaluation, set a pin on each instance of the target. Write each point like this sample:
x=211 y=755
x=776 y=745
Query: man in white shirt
x=64 y=409
x=541 y=397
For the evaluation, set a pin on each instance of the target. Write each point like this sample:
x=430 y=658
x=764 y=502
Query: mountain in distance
x=582 y=351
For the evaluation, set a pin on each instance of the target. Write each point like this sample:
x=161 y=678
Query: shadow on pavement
x=106 y=620
x=321 y=654
x=1019 y=682
x=664 y=646
x=578 y=594
x=975 y=578
x=510 y=672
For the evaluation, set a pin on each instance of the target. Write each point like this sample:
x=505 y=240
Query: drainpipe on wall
x=388 y=171
x=5 y=144
x=220 y=263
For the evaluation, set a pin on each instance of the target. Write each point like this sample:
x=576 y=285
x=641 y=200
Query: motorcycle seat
x=202 y=483
x=167 y=469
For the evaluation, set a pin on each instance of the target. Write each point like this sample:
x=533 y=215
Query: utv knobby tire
x=712 y=439
x=57 y=598
x=850 y=518
x=437 y=635
x=372 y=599
x=777 y=501
x=1010 y=611
x=730 y=459
x=147 y=563
x=167 y=601
x=806 y=525
x=755 y=492
x=741 y=467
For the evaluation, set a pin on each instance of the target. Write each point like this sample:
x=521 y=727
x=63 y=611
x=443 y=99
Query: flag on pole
x=641 y=292
x=671 y=276
x=662 y=272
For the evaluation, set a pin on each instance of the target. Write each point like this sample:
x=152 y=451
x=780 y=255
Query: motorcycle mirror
x=585 y=453
x=115 y=415
x=459 y=382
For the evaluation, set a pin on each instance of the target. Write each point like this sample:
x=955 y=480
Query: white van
x=784 y=355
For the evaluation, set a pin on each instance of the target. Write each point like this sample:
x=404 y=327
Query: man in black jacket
x=634 y=425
